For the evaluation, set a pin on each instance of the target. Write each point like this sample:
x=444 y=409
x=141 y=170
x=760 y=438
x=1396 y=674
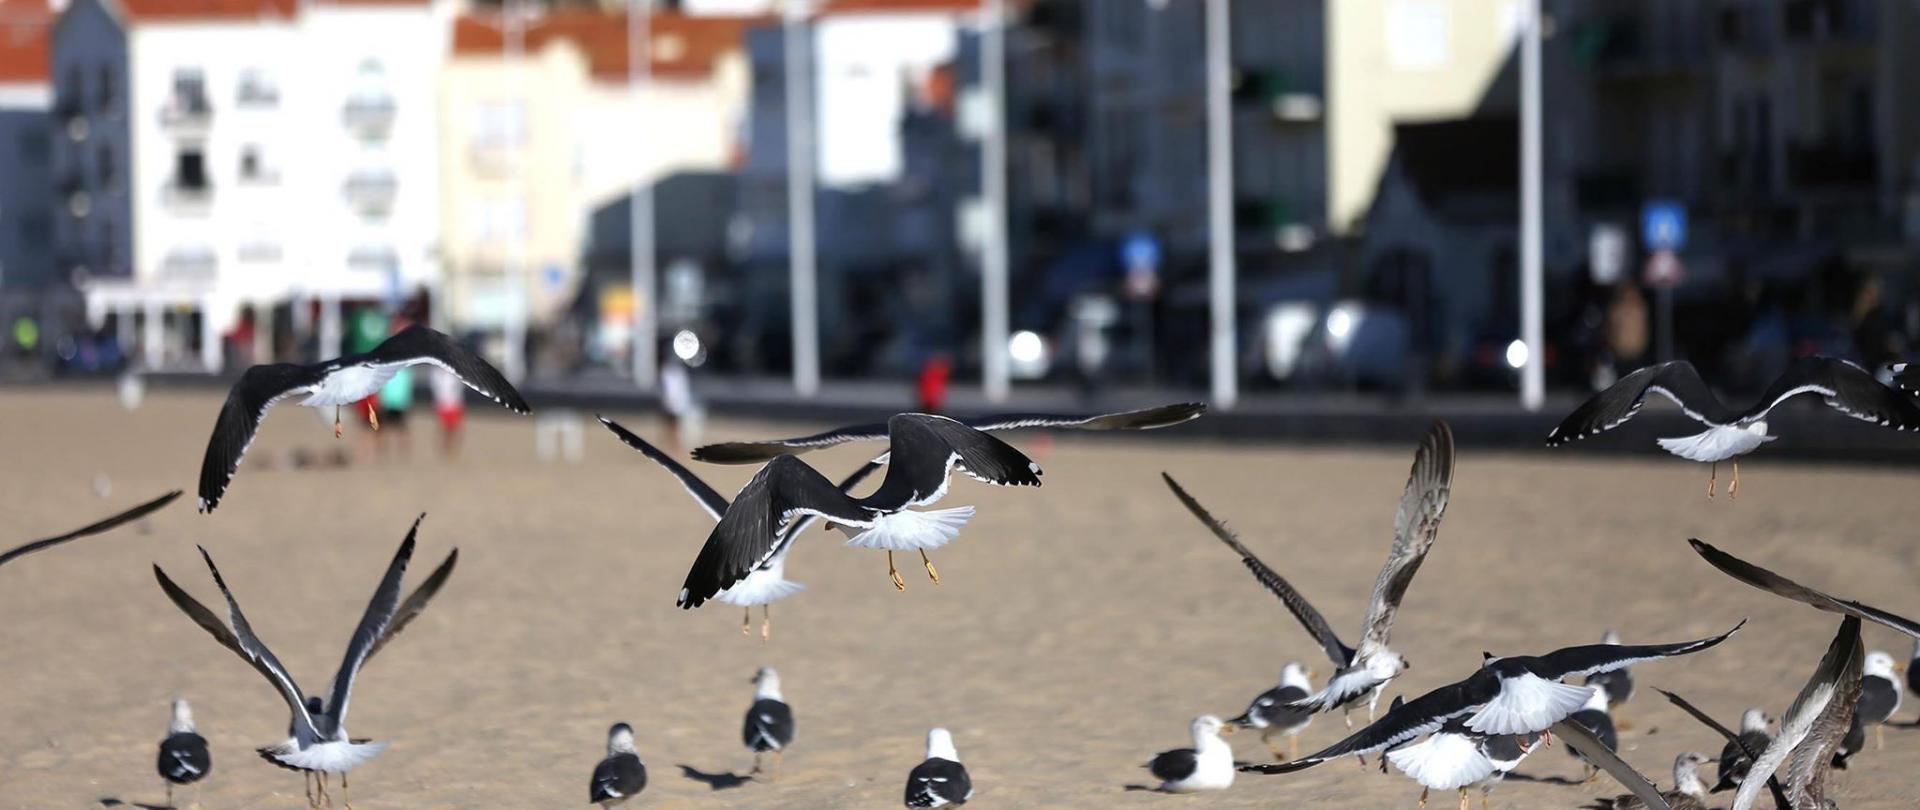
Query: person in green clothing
x=394 y=399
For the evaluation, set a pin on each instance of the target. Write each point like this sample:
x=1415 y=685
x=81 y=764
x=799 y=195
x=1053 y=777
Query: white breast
x=348 y=385
x=1718 y=443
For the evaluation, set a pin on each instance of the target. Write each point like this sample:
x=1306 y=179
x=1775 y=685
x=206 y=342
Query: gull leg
x=1463 y=799
x=336 y=421
x=899 y=584
x=746 y=620
x=1590 y=773
x=346 y=797
x=756 y=763
x=1423 y=799
x=928 y=562
x=1484 y=793
x=306 y=782
x=373 y=415
x=776 y=766
x=1713 y=473
x=1733 y=490
x=169 y=794
x=1267 y=737
x=766 y=623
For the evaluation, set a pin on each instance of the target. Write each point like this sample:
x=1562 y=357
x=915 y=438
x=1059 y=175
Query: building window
x=73 y=95
x=190 y=170
x=500 y=219
x=36 y=147
x=189 y=102
x=499 y=125
x=106 y=88
x=371 y=191
x=254 y=167
x=257 y=89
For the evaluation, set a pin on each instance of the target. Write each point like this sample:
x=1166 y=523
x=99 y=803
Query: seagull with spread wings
x=1813 y=726
x=1362 y=673
x=1730 y=433
x=762 y=451
x=333 y=384
x=923 y=451
x=768 y=582
x=318 y=742
x=89 y=530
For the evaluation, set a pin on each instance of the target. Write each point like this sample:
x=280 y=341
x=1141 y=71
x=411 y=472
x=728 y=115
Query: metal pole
x=1533 y=373
x=640 y=207
x=801 y=271
x=993 y=174
x=515 y=329
x=1226 y=385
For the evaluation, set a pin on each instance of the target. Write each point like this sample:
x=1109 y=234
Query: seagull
x=940 y=779
x=183 y=754
x=763 y=451
x=621 y=776
x=317 y=741
x=116 y=521
x=769 y=724
x=1913 y=669
x=1739 y=742
x=1594 y=718
x=1736 y=758
x=1730 y=434
x=1506 y=752
x=1362 y=673
x=1689 y=791
x=1454 y=758
x=765 y=584
x=1813 y=726
x=1851 y=744
x=1618 y=683
x=1516 y=695
x=332 y=384
x=1272 y=712
x=1879 y=695
x=1781 y=586
x=1208 y=765
x=923 y=451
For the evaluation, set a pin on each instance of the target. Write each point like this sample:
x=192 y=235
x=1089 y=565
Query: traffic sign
x=1663 y=225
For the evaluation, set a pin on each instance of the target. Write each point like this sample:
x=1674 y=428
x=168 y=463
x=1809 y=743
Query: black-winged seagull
x=116 y=521
x=1739 y=742
x=332 y=384
x=1273 y=713
x=1730 y=434
x=621 y=775
x=1913 y=669
x=768 y=728
x=1518 y=695
x=939 y=780
x=317 y=740
x=1879 y=694
x=1363 y=672
x=762 y=451
x=1455 y=758
x=1208 y=765
x=924 y=451
x=1594 y=718
x=1813 y=726
x=184 y=759
x=767 y=583
x=1736 y=757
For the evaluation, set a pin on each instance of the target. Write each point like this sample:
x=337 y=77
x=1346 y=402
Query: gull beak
x=1228 y=728
x=1899 y=667
x=1311 y=674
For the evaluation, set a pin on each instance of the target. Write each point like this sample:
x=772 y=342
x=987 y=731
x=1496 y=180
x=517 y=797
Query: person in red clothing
x=932 y=385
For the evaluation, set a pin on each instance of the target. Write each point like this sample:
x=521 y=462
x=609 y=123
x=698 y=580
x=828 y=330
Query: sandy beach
x=1078 y=629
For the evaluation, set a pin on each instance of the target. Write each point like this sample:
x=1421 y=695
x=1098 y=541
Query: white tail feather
x=1528 y=704
x=910 y=529
x=759 y=588
x=1715 y=444
x=1442 y=762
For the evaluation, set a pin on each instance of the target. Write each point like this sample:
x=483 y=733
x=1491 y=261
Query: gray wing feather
x=1813 y=757
x=374 y=623
x=1415 y=525
x=1843 y=655
x=1597 y=753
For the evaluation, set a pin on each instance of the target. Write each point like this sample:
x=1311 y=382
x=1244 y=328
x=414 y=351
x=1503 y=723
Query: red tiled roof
x=150 y=10
x=26 y=27
x=683 y=46
x=883 y=6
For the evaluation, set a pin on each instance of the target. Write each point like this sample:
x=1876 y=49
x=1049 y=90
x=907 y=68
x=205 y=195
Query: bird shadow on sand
x=1545 y=780
x=118 y=803
x=716 y=781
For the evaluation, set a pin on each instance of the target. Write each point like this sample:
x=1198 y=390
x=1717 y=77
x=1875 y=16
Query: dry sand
x=1080 y=627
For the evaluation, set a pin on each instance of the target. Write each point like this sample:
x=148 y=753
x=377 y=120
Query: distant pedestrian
x=677 y=408
x=935 y=374
x=450 y=404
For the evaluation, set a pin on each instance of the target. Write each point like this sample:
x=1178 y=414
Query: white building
x=256 y=152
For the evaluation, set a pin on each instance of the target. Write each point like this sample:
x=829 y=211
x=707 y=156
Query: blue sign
x=1663 y=225
x=1140 y=251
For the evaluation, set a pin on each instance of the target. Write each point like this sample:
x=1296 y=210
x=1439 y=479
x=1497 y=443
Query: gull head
x=1755 y=719
x=620 y=739
x=182 y=717
x=1881 y=664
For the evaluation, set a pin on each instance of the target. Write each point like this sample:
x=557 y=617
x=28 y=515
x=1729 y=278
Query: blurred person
x=394 y=399
x=935 y=375
x=450 y=404
x=677 y=406
x=1627 y=329
x=1875 y=332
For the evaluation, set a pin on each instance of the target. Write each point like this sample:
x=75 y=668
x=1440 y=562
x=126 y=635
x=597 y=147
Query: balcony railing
x=372 y=192
x=187 y=197
x=369 y=115
x=187 y=111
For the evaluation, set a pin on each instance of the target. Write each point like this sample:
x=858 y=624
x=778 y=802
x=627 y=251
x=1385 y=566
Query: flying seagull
x=1751 y=752
x=184 y=759
x=762 y=451
x=1362 y=673
x=1208 y=765
x=766 y=583
x=1515 y=695
x=1273 y=713
x=116 y=521
x=1781 y=586
x=1879 y=695
x=924 y=451
x=333 y=384
x=1730 y=434
x=1813 y=726
x=1454 y=758
x=621 y=775
x=940 y=779
x=318 y=742
x=769 y=724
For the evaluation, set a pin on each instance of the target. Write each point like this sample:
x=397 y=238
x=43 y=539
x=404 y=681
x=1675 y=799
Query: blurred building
x=26 y=145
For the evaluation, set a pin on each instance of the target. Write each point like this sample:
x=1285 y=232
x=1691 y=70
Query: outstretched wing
x=1605 y=759
x=1303 y=610
x=924 y=450
x=1779 y=795
x=1143 y=419
x=846 y=485
x=373 y=624
x=1415 y=525
x=1588 y=659
x=247 y=403
x=1813 y=757
x=418 y=344
x=710 y=500
x=746 y=535
x=415 y=603
x=243 y=642
x=1676 y=380
x=116 y=521
x=1842 y=662
x=1781 y=586
x=1422 y=715
x=1844 y=387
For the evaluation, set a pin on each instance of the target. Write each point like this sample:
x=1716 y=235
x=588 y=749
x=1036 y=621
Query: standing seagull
x=1736 y=757
x=333 y=384
x=1689 y=791
x=1364 y=672
x=769 y=724
x=940 y=779
x=1913 y=670
x=116 y=521
x=1730 y=434
x=1208 y=765
x=767 y=583
x=1516 y=695
x=1143 y=419
x=318 y=742
x=923 y=452
x=1273 y=713
x=183 y=754
x=1879 y=695
x=1594 y=718
x=621 y=776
